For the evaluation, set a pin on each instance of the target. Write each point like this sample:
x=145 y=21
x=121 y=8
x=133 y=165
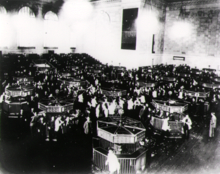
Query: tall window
x=3 y=28
x=51 y=30
x=2 y=10
x=103 y=37
x=26 y=27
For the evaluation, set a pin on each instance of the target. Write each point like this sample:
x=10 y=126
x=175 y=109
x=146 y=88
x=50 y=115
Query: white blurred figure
x=154 y=93
x=113 y=162
x=121 y=102
x=2 y=97
x=86 y=125
x=112 y=108
x=180 y=94
x=58 y=122
x=97 y=111
x=187 y=126
x=188 y=121
x=165 y=125
x=33 y=123
x=212 y=127
x=142 y=99
x=105 y=107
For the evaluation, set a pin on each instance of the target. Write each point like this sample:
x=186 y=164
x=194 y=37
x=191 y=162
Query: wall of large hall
x=96 y=28
x=197 y=38
x=28 y=28
x=102 y=38
x=91 y=27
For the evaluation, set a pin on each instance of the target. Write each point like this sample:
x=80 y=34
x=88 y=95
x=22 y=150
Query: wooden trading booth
x=123 y=134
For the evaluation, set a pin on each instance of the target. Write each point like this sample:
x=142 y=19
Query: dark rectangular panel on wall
x=128 y=40
x=178 y=58
x=23 y=48
x=153 y=43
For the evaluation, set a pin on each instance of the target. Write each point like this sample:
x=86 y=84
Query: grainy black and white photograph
x=109 y=86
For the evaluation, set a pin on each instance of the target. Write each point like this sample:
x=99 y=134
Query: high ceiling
x=177 y=0
x=52 y=1
x=53 y=5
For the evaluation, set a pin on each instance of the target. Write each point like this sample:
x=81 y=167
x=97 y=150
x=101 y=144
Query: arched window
x=51 y=30
x=26 y=27
x=102 y=28
x=100 y=34
x=3 y=10
x=73 y=36
x=51 y=16
x=26 y=11
x=103 y=19
x=4 y=27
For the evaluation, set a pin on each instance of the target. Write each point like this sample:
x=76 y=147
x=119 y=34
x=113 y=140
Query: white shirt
x=189 y=123
x=165 y=126
x=137 y=103
x=106 y=112
x=96 y=82
x=154 y=94
x=57 y=124
x=121 y=103
x=76 y=114
x=152 y=121
x=142 y=98
x=93 y=102
x=86 y=126
x=97 y=110
x=7 y=86
x=1 y=98
x=213 y=121
x=80 y=98
x=67 y=120
x=180 y=95
x=92 y=90
x=130 y=104
x=105 y=103
x=137 y=91
x=105 y=108
x=112 y=108
x=113 y=163
x=33 y=119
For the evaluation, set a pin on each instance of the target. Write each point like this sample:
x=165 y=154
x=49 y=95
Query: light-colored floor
x=198 y=155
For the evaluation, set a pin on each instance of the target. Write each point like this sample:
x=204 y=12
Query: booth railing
x=170 y=108
x=55 y=109
x=196 y=94
x=210 y=85
x=127 y=165
x=114 y=93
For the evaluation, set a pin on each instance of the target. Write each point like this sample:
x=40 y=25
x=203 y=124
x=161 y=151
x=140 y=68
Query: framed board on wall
x=129 y=32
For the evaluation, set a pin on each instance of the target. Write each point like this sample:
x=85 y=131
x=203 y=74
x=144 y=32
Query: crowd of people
x=106 y=91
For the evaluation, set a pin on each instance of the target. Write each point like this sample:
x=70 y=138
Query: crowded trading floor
x=52 y=108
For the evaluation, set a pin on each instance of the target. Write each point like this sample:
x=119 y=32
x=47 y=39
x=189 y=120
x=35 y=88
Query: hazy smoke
x=28 y=31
